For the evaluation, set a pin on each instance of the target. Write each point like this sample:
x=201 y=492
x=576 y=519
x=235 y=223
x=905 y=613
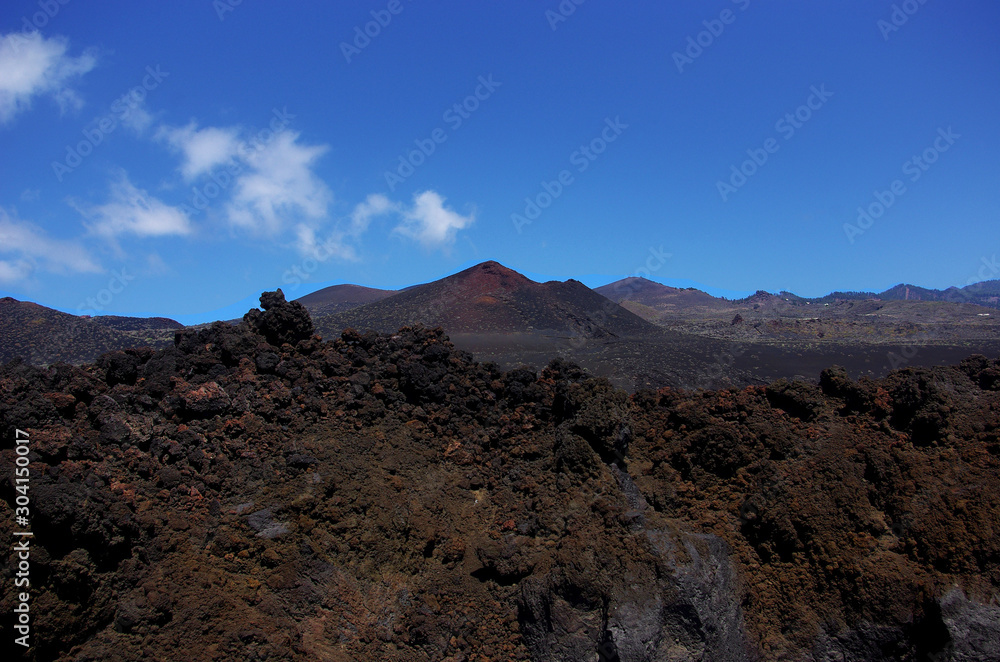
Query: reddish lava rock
x=257 y=493
x=206 y=400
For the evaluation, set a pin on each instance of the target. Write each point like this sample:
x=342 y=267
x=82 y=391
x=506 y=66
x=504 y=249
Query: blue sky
x=178 y=158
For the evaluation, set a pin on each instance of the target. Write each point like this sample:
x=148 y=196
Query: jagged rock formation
x=256 y=493
x=282 y=321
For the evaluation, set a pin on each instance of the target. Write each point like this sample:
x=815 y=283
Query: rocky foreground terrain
x=256 y=493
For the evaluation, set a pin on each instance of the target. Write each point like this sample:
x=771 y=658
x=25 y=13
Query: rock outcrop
x=255 y=492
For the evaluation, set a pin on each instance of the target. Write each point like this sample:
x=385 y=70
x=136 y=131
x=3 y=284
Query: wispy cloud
x=32 y=66
x=26 y=248
x=133 y=211
x=336 y=244
x=341 y=242
x=134 y=114
x=280 y=187
x=276 y=194
x=374 y=205
x=202 y=149
x=430 y=223
x=273 y=189
x=14 y=272
x=156 y=265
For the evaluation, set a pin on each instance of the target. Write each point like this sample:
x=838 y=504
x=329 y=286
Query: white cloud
x=273 y=189
x=26 y=248
x=131 y=210
x=135 y=116
x=280 y=187
x=337 y=244
x=341 y=242
x=31 y=65
x=305 y=240
x=156 y=265
x=374 y=205
x=13 y=272
x=430 y=223
x=426 y=221
x=203 y=149
x=276 y=193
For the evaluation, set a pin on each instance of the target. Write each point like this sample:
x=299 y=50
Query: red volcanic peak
x=490 y=298
x=489 y=277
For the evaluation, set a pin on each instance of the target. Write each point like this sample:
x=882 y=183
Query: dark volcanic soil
x=384 y=497
x=43 y=336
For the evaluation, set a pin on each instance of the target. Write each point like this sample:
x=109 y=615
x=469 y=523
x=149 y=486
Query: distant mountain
x=985 y=293
x=986 y=288
x=490 y=298
x=637 y=332
x=119 y=323
x=502 y=316
x=652 y=293
x=904 y=292
x=43 y=336
x=665 y=300
x=339 y=298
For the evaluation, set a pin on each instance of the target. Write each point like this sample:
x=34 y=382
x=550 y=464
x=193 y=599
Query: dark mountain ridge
x=490 y=298
x=651 y=293
x=636 y=332
x=341 y=297
x=500 y=315
x=44 y=336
